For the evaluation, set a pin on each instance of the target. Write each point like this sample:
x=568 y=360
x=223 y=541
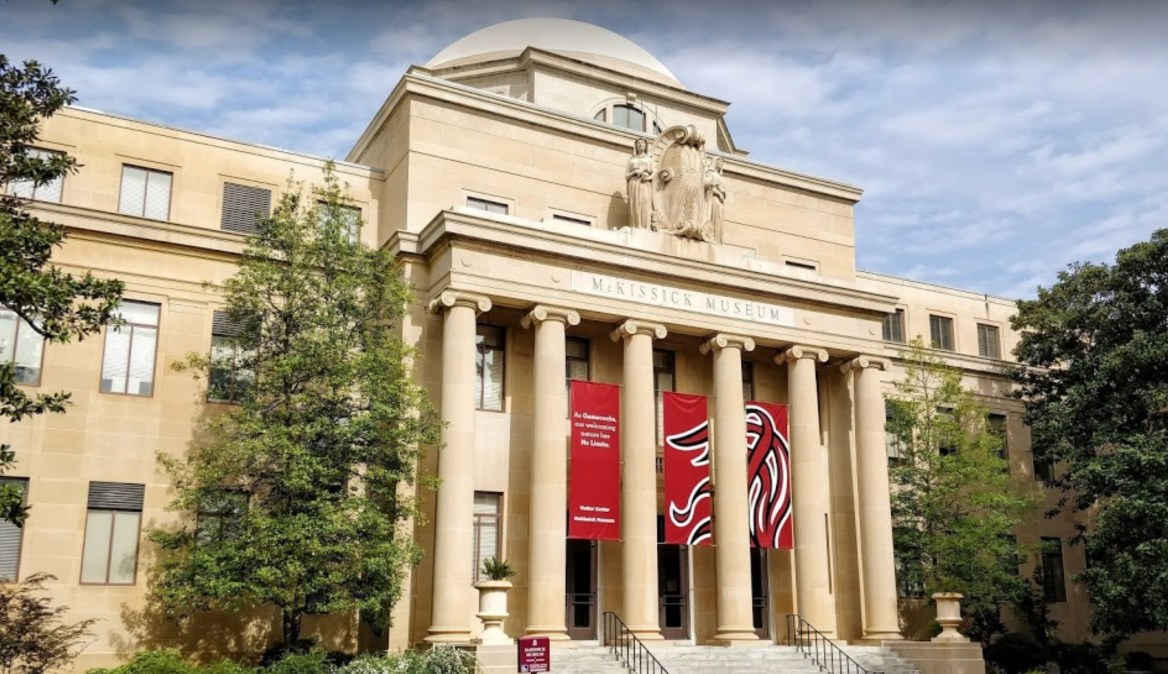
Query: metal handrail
x=628 y=648
x=822 y=650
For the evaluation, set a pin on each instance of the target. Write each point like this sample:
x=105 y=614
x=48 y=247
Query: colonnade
x=810 y=478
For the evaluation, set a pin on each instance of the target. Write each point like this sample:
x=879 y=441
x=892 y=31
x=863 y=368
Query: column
x=549 y=468
x=881 y=619
x=639 y=478
x=453 y=522
x=731 y=516
x=811 y=484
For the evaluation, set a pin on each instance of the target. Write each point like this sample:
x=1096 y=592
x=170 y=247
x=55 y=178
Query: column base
x=737 y=636
x=553 y=633
x=448 y=635
x=646 y=632
x=876 y=636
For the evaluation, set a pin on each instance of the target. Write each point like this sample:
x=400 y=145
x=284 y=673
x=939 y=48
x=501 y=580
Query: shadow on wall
x=618 y=212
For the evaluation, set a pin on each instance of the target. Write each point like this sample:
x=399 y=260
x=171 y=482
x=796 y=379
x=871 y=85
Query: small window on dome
x=601 y=116
x=628 y=117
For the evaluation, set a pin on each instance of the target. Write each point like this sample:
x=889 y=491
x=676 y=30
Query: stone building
x=506 y=175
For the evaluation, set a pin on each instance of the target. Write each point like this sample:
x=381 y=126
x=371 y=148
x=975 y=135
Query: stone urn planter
x=493 y=601
x=949 y=616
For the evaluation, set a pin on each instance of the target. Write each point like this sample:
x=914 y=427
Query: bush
x=1139 y=661
x=315 y=662
x=33 y=636
x=438 y=660
x=151 y=662
x=1015 y=653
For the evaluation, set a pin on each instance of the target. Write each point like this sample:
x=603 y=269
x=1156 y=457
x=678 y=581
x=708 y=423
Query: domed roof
x=576 y=39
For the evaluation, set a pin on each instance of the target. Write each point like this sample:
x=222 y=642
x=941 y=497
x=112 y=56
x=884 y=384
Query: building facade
x=500 y=174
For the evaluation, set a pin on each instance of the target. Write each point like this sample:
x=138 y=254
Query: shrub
x=33 y=637
x=151 y=662
x=315 y=662
x=1015 y=653
x=438 y=660
x=1139 y=661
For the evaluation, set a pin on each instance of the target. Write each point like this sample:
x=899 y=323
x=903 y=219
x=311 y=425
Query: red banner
x=688 y=505
x=769 y=476
x=594 y=465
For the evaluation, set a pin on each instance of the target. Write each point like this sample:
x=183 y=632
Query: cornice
x=91 y=223
x=510 y=234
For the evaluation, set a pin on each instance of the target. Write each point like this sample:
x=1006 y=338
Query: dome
x=575 y=39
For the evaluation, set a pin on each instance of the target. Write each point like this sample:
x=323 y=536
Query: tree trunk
x=292 y=619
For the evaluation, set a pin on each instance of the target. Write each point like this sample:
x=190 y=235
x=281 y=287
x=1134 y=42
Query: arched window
x=628 y=116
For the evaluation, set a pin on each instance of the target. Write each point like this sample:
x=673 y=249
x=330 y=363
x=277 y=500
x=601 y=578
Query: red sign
x=688 y=506
x=769 y=476
x=535 y=654
x=594 y=465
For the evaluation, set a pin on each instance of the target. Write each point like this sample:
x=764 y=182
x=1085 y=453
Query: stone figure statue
x=639 y=176
x=674 y=187
x=715 y=198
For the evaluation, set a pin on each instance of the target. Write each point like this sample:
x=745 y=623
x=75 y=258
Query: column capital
x=724 y=340
x=798 y=351
x=863 y=362
x=543 y=312
x=634 y=327
x=449 y=299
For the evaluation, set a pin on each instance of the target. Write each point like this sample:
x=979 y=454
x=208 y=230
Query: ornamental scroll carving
x=676 y=188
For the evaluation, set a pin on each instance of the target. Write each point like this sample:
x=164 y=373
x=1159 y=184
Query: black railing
x=823 y=651
x=628 y=648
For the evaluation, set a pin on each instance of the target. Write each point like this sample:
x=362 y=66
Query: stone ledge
x=931 y=657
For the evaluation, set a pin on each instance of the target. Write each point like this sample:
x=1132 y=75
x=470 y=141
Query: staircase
x=684 y=659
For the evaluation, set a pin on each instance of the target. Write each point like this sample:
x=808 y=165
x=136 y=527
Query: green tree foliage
x=1095 y=347
x=59 y=306
x=34 y=638
x=298 y=488
x=954 y=504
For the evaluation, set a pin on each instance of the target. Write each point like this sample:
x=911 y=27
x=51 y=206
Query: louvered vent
x=243 y=206
x=116 y=496
x=222 y=326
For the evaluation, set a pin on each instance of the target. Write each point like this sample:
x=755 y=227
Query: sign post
x=535 y=654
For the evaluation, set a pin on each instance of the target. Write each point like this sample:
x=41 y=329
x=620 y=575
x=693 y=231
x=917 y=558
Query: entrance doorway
x=580 y=587
x=672 y=586
x=759 y=593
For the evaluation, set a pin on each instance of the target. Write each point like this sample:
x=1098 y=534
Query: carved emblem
x=675 y=187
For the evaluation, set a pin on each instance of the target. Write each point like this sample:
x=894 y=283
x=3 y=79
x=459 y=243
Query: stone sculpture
x=676 y=188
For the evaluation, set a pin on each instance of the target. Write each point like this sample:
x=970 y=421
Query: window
x=219 y=515
x=628 y=116
x=892 y=444
x=941 y=332
x=664 y=375
x=893 y=327
x=11 y=536
x=1054 y=585
x=601 y=116
x=989 y=341
x=22 y=346
x=244 y=207
x=747 y=381
x=489 y=368
x=1044 y=470
x=145 y=193
x=27 y=189
x=350 y=217
x=948 y=431
x=128 y=364
x=110 y=555
x=487 y=205
x=230 y=379
x=570 y=220
x=996 y=423
x=576 y=360
x=800 y=266
x=488 y=530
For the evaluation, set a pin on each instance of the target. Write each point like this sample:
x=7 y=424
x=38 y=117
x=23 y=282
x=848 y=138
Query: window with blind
x=576 y=360
x=243 y=208
x=747 y=381
x=219 y=515
x=128 y=362
x=893 y=327
x=1054 y=582
x=489 y=343
x=27 y=189
x=22 y=346
x=488 y=529
x=989 y=341
x=145 y=193
x=350 y=217
x=628 y=117
x=112 y=524
x=230 y=378
x=664 y=376
x=487 y=205
x=11 y=536
x=996 y=423
x=941 y=332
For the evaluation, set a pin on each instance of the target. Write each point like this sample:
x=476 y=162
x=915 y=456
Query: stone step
x=690 y=659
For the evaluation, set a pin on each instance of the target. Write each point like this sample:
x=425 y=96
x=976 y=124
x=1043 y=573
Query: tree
x=954 y=505
x=59 y=306
x=33 y=637
x=1095 y=383
x=297 y=488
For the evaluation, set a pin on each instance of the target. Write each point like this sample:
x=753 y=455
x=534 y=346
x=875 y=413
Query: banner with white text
x=688 y=506
x=769 y=476
x=594 y=462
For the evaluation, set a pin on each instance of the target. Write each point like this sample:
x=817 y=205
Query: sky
x=996 y=142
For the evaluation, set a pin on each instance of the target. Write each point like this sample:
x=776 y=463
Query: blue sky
x=996 y=141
